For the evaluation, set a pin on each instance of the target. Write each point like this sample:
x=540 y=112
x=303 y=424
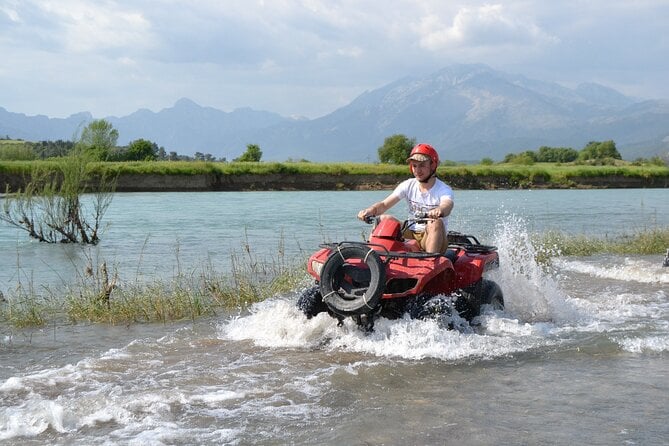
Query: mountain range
x=467 y=112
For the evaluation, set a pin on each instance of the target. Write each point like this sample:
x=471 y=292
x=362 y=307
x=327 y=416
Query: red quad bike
x=389 y=276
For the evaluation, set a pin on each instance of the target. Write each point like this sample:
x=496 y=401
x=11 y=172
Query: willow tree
x=50 y=207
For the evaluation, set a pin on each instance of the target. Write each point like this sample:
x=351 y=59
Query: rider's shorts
x=421 y=238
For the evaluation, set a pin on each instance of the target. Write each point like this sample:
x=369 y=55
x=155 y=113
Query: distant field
x=15 y=150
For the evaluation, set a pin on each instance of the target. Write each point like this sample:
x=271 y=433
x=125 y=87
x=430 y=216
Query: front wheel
x=471 y=300
x=491 y=294
x=311 y=303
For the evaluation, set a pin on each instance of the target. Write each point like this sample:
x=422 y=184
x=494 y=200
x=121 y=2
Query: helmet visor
x=418 y=157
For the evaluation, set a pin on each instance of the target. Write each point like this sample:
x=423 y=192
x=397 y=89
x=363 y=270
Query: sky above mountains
x=309 y=57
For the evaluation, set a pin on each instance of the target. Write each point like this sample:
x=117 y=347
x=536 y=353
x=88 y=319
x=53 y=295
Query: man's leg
x=435 y=237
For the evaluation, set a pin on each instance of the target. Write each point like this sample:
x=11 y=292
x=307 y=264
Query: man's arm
x=379 y=208
x=443 y=210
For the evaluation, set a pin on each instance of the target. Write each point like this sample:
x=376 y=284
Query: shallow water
x=579 y=356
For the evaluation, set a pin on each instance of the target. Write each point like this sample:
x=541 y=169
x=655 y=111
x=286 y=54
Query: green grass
x=645 y=242
x=100 y=297
x=16 y=150
x=479 y=176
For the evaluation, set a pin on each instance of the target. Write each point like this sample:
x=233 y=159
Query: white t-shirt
x=420 y=202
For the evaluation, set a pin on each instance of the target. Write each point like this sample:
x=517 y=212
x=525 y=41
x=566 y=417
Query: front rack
x=384 y=251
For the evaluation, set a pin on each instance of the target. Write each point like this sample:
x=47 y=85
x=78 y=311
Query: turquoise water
x=579 y=355
x=159 y=234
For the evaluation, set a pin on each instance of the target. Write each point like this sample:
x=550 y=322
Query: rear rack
x=468 y=242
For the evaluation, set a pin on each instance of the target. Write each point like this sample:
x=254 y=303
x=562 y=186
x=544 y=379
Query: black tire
x=491 y=294
x=349 y=290
x=311 y=303
x=484 y=292
x=430 y=307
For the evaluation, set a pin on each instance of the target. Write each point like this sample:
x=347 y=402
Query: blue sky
x=307 y=58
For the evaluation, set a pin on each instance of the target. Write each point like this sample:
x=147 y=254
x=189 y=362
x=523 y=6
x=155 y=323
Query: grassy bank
x=100 y=296
x=648 y=242
x=228 y=176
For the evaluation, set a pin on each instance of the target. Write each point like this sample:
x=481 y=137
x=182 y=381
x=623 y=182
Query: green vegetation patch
x=479 y=176
x=646 y=242
x=101 y=297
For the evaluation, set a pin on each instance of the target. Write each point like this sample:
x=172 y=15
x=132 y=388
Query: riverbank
x=203 y=176
x=306 y=182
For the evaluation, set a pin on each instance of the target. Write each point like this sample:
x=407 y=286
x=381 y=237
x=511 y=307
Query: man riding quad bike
x=409 y=268
x=389 y=276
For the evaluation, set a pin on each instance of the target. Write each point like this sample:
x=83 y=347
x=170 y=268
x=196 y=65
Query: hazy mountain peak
x=603 y=95
x=467 y=111
x=186 y=103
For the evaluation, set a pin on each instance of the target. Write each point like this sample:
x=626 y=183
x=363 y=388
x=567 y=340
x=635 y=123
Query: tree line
x=396 y=149
x=100 y=140
x=50 y=207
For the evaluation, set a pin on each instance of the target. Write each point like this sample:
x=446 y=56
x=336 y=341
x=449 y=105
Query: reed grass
x=101 y=297
x=644 y=242
x=16 y=150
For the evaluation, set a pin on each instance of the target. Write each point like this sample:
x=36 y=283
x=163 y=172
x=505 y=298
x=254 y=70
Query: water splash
x=618 y=268
x=278 y=323
x=530 y=291
x=535 y=308
x=650 y=344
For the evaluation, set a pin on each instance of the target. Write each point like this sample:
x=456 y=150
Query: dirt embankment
x=291 y=182
x=249 y=182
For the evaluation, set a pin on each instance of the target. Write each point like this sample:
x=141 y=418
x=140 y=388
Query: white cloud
x=483 y=26
x=10 y=13
x=92 y=26
x=308 y=57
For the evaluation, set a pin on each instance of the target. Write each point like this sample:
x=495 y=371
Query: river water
x=579 y=355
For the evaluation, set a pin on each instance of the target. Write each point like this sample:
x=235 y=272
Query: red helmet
x=423 y=152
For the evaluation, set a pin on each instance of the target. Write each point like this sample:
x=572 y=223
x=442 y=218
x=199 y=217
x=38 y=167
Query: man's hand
x=362 y=215
x=434 y=213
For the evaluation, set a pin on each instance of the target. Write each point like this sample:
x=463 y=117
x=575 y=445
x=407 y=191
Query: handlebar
x=420 y=217
x=370 y=219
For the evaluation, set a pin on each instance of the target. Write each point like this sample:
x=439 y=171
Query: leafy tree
x=527 y=158
x=253 y=154
x=599 y=151
x=396 y=149
x=556 y=155
x=99 y=138
x=487 y=161
x=141 y=150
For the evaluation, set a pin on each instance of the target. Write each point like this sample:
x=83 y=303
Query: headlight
x=317 y=267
